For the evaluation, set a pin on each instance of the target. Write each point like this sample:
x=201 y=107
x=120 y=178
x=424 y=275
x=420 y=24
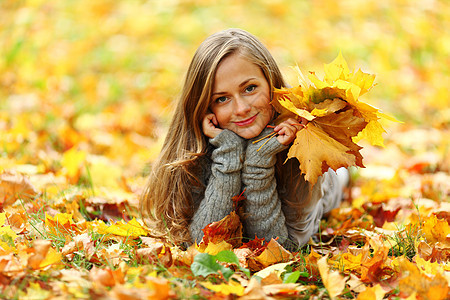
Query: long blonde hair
x=166 y=204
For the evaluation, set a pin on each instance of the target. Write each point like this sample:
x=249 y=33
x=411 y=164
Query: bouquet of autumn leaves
x=335 y=118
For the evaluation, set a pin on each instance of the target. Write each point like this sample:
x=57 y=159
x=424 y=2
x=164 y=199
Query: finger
x=295 y=123
x=287 y=131
x=214 y=120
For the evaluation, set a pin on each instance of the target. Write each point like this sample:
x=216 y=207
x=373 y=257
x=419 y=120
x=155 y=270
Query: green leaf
x=291 y=277
x=227 y=256
x=205 y=264
x=230 y=257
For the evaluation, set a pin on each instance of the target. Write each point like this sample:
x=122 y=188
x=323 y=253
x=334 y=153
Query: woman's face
x=241 y=97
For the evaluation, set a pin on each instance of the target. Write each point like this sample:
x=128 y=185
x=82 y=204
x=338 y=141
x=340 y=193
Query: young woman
x=209 y=154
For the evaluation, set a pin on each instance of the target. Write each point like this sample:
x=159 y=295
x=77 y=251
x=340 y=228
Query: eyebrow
x=240 y=85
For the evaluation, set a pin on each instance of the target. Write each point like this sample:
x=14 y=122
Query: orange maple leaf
x=317 y=152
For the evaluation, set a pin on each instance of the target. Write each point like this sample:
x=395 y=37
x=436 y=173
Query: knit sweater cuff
x=229 y=152
x=262 y=151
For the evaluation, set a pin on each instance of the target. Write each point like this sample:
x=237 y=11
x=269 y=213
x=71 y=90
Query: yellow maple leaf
x=213 y=248
x=298 y=111
x=350 y=262
x=414 y=281
x=231 y=287
x=35 y=291
x=132 y=229
x=2 y=218
x=375 y=292
x=332 y=280
x=427 y=267
x=337 y=69
x=274 y=253
x=435 y=230
x=53 y=258
x=61 y=223
x=333 y=106
x=72 y=161
x=6 y=230
x=338 y=75
x=319 y=112
x=372 y=133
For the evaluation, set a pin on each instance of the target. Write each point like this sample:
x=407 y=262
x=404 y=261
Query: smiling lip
x=246 y=122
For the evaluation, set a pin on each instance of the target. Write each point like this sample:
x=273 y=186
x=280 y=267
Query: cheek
x=223 y=116
x=264 y=105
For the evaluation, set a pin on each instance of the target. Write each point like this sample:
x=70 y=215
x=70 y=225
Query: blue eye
x=250 y=88
x=221 y=99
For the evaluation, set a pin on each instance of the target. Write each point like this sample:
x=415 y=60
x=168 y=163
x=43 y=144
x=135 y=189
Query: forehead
x=234 y=69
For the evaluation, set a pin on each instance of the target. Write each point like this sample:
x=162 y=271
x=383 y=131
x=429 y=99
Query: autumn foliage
x=335 y=118
x=87 y=91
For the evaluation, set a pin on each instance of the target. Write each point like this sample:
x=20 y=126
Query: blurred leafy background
x=87 y=89
x=96 y=81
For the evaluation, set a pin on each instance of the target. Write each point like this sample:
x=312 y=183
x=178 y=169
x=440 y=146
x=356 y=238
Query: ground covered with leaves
x=87 y=89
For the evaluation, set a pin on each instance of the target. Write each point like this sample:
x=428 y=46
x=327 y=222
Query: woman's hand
x=210 y=126
x=287 y=130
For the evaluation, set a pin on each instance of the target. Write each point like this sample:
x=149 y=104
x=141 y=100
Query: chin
x=249 y=133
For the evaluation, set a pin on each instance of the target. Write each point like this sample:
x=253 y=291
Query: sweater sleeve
x=224 y=182
x=263 y=207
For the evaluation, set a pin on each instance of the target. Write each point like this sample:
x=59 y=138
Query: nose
x=242 y=106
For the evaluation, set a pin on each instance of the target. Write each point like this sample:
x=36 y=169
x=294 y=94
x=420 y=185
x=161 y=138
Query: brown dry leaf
x=311 y=262
x=17 y=219
x=228 y=229
x=112 y=255
x=284 y=289
x=243 y=254
x=374 y=268
x=254 y=291
x=184 y=258
x=15 y=186
x=11 y=266
x=81 y=242
x=272 y=278
x=438 y=252
x=106 y=276
x=156 y=253
x=317 y=152
x=329 y=105
x=381 y=213
x=333 y=281
x=355 y=284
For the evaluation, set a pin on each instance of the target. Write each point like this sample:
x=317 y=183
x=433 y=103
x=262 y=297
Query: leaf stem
x=267 y=136
x=272 y=135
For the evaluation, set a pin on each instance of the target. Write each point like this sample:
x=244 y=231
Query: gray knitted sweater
x=235 y=165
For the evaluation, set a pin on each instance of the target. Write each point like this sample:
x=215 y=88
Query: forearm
x=224 y=183
x=263 y=207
